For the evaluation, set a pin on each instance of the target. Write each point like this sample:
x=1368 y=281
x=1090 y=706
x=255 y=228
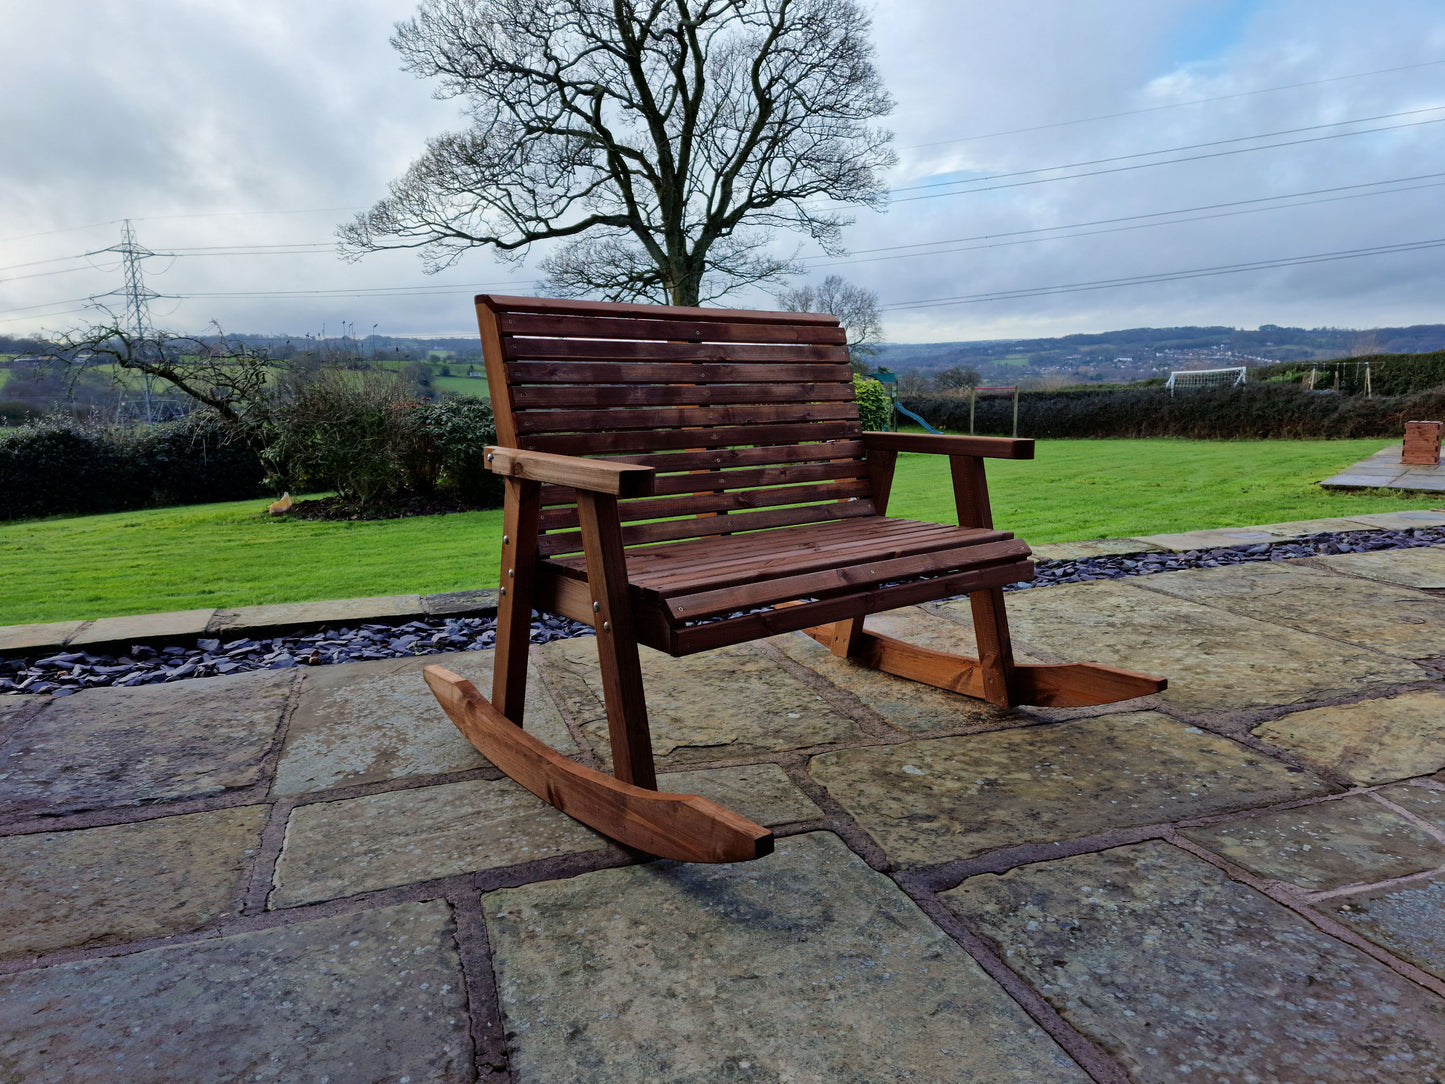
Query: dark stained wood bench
x=692 y=478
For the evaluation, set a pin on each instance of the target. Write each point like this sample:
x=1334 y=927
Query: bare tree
x=230 y=378
x=855 y=308
x=660 y=140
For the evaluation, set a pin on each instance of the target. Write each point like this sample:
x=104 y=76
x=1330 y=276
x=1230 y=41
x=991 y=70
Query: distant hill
x=1137 y=353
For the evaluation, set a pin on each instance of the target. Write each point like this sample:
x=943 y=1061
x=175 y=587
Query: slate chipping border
x=62 y=673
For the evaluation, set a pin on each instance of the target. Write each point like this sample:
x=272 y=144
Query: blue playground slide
x=909 y=414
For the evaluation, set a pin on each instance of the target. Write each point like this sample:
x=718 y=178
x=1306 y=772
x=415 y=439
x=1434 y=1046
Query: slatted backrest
x=749 y=418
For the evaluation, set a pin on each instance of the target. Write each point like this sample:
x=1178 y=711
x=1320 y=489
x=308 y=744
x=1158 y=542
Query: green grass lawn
x=224 y=555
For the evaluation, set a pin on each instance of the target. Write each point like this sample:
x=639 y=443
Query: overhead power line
x=1165 y=276
x=1172 y=105
x=984 y=187
x=1125 y=223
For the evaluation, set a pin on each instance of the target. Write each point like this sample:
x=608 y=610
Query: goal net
x=1205 y=378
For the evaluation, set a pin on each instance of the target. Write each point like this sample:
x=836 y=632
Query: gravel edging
x=65 y=672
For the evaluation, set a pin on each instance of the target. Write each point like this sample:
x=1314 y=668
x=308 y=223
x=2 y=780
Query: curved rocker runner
x=693 y=478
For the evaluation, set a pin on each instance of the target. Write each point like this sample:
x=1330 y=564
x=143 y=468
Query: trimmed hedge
x=1390 y=374
x=1261 y=411
x=58 y=466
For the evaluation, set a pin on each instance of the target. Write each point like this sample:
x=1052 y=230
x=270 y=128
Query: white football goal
x=1206 y=378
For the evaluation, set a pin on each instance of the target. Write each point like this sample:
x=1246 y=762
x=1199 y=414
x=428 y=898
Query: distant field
x=234 y=555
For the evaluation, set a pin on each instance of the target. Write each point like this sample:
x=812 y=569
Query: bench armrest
x=988 y=447
x=593 y=475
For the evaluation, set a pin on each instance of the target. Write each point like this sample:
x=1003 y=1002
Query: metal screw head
x=607 y=626
x=503 y=591
x=506 y=541
x=489 y=457
x=509 y=573
x=597 y=607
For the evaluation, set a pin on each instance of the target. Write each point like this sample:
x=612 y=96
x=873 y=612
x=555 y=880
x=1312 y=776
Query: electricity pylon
x=137 y=302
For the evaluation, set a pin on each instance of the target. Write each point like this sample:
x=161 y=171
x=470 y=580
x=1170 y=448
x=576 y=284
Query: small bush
x=360 y=434
x=343 y=430
x=875 y=408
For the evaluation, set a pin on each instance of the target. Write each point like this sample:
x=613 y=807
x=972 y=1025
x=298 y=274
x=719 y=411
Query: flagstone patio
x=309 y=875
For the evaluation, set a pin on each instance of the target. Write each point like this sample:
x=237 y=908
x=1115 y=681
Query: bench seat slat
x=688 y=640
x=697 y=565
x=849 y=577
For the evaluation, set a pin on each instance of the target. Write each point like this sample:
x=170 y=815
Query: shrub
x=360 y=434
x=875 y=408
x=459 y=428
x=343 y=430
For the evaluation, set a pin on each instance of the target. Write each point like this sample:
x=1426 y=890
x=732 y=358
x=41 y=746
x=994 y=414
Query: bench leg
x=514 y=604
x=995 y=649
x=616 y=641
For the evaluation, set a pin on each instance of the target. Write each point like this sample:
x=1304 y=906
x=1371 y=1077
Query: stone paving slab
x=807 y=967
x=1425 y=802
x=376 y=995
x=948 y=798
x=1390 y=619
x=760 y=792
x=358 y=845
x=143 y=628
x=21 y=639
x=1399 y=521
x=1352 y=841
x=1406 y=919
x=370 y=722
x=1373 y=741
x=1214 y=982
x=907 y=705
x=361 y=844
x=732 y=702
x=1184 y=541
x=1424 y=567
x=329 y=611
x=98 y=886
x=1213 y=659
x=1096 y=547
x=457 y=602
x=111 y=747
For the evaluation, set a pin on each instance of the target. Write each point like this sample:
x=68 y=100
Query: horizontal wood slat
x=696 y=504
x=598 y=396
x=581 y=361
x=690 y=566
x=642 y=534
x=720 y=481
x=681 y=439
x=650 y=418
x=831 y=581
x=767 y=455
x=517 y=303
x=665 y=330
x=691 y=639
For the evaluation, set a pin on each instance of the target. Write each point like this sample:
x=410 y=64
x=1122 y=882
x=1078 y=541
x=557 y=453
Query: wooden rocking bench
x=693 y=478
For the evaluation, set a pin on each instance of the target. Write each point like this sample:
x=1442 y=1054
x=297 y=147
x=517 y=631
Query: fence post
x=972 y=398
x=1016 y=410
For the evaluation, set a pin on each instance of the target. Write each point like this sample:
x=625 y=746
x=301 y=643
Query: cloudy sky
x=1063 y=166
